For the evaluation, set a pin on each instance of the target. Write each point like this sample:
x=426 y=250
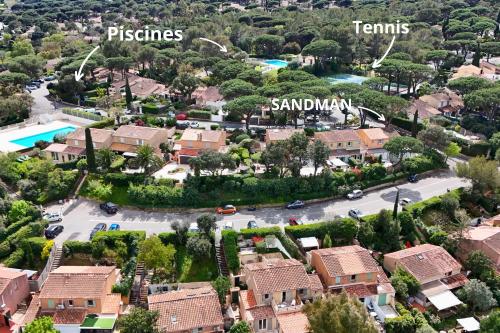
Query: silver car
x=52 y=217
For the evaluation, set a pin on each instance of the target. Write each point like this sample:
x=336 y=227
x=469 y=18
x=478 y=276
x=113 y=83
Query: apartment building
x=343 y=144
x=127 y=138
x=193 y=141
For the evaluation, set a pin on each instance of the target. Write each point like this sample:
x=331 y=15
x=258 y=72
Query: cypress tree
x=477 y=55
x=89 y=150
x=128 y=93
x=414 y=124
x=395 y=210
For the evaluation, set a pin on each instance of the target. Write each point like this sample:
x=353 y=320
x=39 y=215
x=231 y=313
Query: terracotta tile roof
x=208 y=94
x=247 y=299
x=481 y=233
x=191 y=134
x=426 y=261
x=77 y=282
x=69 y=316
x=7 y=275
x=74 y=150
x=98 y=135
x=138 y=132
x=123 y=147
x=278 y=134
x=56 y=147
x=337 y=136
x=374 y=133
x=455 y=281
x=111 y=303
x=277 y=275
x=347 y=260
x=384 y=284
x=425 y=111
x=32 y=311
x=465 y=71
x=294 y=322
x=315 y=282
x=187 y=309
x=188 y=152
x=361 y=290
x=260 y=312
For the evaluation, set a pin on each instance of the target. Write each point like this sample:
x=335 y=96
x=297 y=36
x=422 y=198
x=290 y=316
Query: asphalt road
x=86 y=214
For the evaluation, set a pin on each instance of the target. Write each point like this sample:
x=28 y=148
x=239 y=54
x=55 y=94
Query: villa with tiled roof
x=435 y=269
x=353 y=269
x=188 y=310
x=277 y=290
x=78 y=296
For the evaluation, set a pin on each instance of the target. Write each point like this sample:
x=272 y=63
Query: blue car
x=114 y=226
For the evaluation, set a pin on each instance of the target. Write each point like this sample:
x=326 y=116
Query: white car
x=52 y=217
x=194 y=124
x=355 y=194
x=228 y=225
x=356 y=213
x=193 y=227
x=405 y=202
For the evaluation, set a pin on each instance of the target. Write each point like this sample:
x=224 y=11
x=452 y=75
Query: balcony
x=284 y=307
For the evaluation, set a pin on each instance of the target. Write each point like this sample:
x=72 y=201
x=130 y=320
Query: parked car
x=294 y=221
x=181 y=126
x=252 y=209
x=356 y=194
x=181 y=116
x=252 y=225
x=53 y=230
x=109 y=207
x=227 y=209
x=295 y=204
x=405 y=201
x=114 y=227
x=228 y=225
x=98 y=227
x=50 y=78
x=413 y=178
x=52 y=217
x=356 y=213
x=194 y=124
x=193 y=227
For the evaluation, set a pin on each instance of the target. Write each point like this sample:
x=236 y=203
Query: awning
x=309 y=242
x=94 y=322
x=469 y=324
x=444 y=300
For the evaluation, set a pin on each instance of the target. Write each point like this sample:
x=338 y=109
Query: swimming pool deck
x=18 y=133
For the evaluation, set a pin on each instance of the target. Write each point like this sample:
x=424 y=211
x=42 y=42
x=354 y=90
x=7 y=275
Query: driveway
x=86 y=214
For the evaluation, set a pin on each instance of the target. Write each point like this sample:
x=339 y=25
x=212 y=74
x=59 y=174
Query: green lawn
x=118 y=195
x=193 y=270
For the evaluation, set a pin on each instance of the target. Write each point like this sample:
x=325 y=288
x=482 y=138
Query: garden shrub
x=200 y=114
x=110 y=238
x=14 y=227
x=123 y=179
x=107 y=122
x=230 y=238
x=168 y=238
x=343 y=230
x=5 y=249
x=406 y=124
x=260 y=232
x=72 y=247
x=150 y=108
x=16 y=259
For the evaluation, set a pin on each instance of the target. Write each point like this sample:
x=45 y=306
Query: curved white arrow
x=79 y=75
x=221 y=47
x=376 y=62
x=380 y=116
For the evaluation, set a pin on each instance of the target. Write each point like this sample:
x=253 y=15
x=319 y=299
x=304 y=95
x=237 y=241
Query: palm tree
x=105 y=157
x=147 y=159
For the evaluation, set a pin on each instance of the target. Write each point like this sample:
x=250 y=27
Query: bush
x=476 y=149
x=107 y=122
x=343 y=230
x=14 y=227
x=406 y=124
x=72 y=247
x=214 y=127
x=16 y=259
x=260 y=232
x=230 y=238
x=150 y=108
x=168 y=238
x=123 y=179
x=200 y=114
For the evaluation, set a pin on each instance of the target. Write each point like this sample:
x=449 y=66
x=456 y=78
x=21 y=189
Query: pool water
x=345 y=78
x=29 y=141
x=276 y=63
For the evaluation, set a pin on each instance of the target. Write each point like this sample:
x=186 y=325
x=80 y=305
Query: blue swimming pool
x=29 y=141
x=276 y=62
x=345 y=78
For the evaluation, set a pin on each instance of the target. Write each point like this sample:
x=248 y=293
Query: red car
x=181 y=116
x=227 y=209
x=293 y=221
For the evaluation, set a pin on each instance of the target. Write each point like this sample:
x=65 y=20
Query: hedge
x=16 y=259
x=130 y=238
x=106 y=122
x=72 y=247
x=168 y=238
x=199 y=114
x=406 y=124
x=476 y=149
x=14 y=227
x=123 y=179
x=150 y=108
x=343 y=230
x=418 y=208
x=71 y=165
x=230 y=239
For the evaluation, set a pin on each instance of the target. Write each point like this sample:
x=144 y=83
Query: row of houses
x=80 y=298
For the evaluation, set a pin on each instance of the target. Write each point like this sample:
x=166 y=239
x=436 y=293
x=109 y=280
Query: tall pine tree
x=89 y=149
